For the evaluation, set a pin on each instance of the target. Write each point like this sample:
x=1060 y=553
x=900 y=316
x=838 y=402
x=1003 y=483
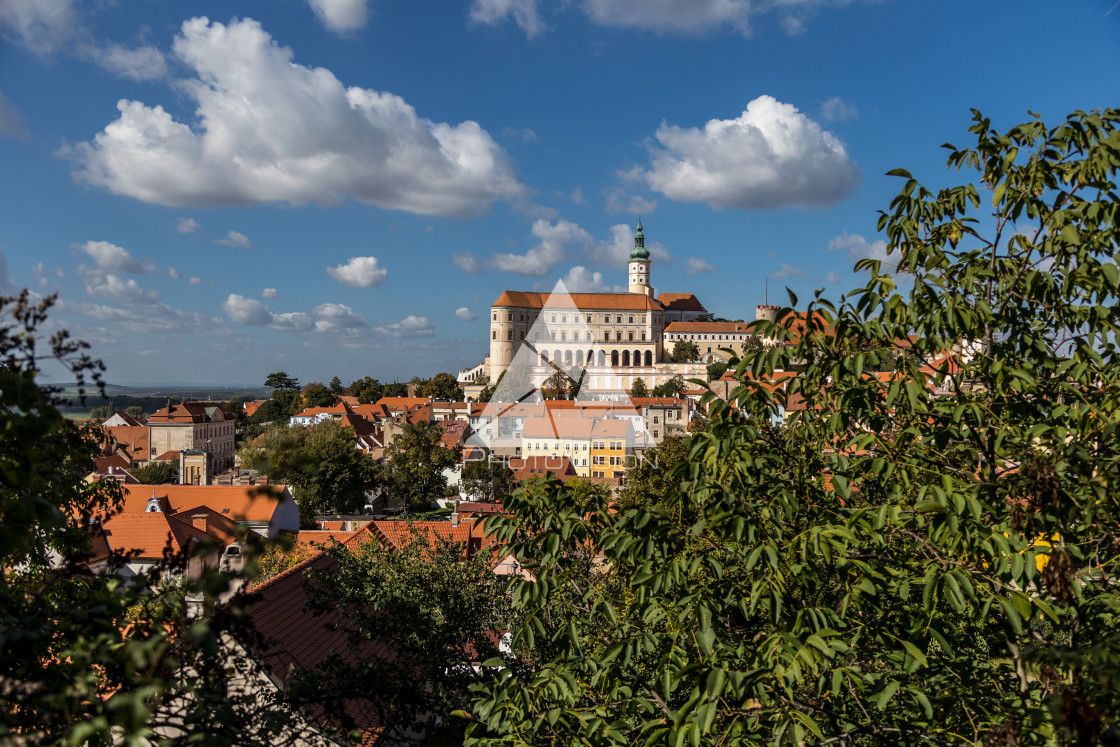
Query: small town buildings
x=266 y=511
x=194 y=425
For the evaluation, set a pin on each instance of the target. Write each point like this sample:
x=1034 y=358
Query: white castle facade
x=613 y=339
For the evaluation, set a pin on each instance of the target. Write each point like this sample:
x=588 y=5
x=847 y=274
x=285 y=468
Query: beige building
x=615 y=338
x=193 y=425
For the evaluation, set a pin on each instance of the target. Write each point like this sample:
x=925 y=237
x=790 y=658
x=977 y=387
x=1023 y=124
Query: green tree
x=103 y=412
x=674 y=387
x=236 y=408
x=556 y=386
x=281 y=380
x=442 y=386
x=135 y=411
x=396 y=389
x=638 y=389
x=658 y=474
x=82 y=659
x=437 y=612
x=923 y=558
x=416 y=461
x=326 y=472
x=336 y=386
x=488 y=480
x=716 y=370
x=686 y=351
x=157 y=473
x=316 y=394
x=367 y=390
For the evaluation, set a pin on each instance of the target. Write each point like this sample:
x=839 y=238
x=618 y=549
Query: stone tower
x=639 y=265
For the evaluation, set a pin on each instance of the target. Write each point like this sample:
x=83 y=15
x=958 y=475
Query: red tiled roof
x=132 y=438
x=148 y=534
x=525 y=467
x=589 y=301
x=468 y=534
x=680 y=302
x=117 y=462
x=167 y=456
x=237 y=502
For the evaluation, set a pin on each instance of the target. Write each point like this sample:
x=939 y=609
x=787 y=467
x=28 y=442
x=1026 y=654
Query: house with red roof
x=266 y=511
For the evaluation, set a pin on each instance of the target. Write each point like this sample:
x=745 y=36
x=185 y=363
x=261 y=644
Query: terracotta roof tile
x=680 y=302
x=237 y=502
x=588 y=301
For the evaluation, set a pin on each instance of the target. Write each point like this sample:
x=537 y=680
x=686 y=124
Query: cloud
x=857 y=248
x=195 y=281
x=269 y=130
x=157 y=318
x=522 y=134
x=696 y=265
x=332 y=316
x=770 y=156
x=621 y=201
x=235 y=239
x=172 y=273
x=341 y=16
x=360 y=272
x=112 y=257
x=466 y=262
x=672 y=16
x=581 y=280
x=577 y=197
x=523 y=12
x=835 y=110
x=555 y=242
x=790 y=271
x=270 y=293
x=47 y=27
x=139 y=63
x=187 y=225
x=465 y=314
x=832 y=278
x=410 y=326
x=11 y=124
x=119 y=290
x=253 y=313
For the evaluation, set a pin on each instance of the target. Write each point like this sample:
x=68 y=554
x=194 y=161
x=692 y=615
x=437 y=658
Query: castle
x=614 y=338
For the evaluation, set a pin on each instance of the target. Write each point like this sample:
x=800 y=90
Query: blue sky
x=218 y=190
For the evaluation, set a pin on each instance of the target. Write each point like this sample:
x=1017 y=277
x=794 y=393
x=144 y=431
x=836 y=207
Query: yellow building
x=552 y=436
x=612 y=448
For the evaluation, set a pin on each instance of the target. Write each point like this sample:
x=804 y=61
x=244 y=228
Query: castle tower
x=639 y=265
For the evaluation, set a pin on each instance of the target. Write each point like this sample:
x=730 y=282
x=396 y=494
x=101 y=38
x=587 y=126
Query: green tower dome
x=639 y=251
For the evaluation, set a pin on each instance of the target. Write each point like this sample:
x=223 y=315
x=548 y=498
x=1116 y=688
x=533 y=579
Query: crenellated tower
x=639 y=264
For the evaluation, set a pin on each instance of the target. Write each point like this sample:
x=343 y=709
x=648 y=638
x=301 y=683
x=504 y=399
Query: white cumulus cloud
x=268 y=130
x=235 y=239
x=696 y=265
x=341 y=16
x=109 y=256
x=187 y=225
x=331 y=316
x=674 y=16
x=410 y=326
x=466 y=262
x=253 y=313
x=582 y=280
x=360 y=272
x=857 y=247
x=465 y=314
x=119 y=290
x=524 y=13
x=47 y=27
x=270 y=293
x=555 y=242
x=172 y=273
x=769 y=156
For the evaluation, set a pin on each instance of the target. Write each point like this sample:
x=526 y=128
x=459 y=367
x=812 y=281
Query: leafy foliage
x=316 y=394
x=281 y=380
x=157 y=473
x=84 y=658
x=488 y=480
x=638 y=389
x=674 y=387
x=686 y=351
x=436 y=610
x=416 y=461
x=924 y=556
x=326 y=472
x=442 y=386
x=367 y=389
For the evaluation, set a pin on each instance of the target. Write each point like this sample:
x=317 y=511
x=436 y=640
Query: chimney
x=199 y=522
x=454 y=518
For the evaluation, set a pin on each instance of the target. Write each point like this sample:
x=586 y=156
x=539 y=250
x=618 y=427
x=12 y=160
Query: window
x=511 y=316
x=618 y=336
x=616 y=461
x=655 y=420
x=655 y=434
x=494 y=335
x=509 y=335
x=589 y=319
x=617 y=445
x=554 y=317
x=584 y=463
x=643 y=337
x=564 y=338
x=598 y=460
x=597 y=474
x=631 y=337
x=631 y=318
x=606 y=338
x=522 y=335
x=495 y=316
x=564 y=318
x=618 y=320
x=599 y=445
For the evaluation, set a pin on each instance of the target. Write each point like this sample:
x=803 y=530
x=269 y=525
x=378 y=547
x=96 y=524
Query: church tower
x=639 y=265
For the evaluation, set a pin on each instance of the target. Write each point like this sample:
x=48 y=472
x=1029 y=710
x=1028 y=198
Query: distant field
x=152 y=398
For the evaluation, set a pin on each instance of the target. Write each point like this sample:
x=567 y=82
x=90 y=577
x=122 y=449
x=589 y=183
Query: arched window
x=614 y=358
x=626 y=357
x=567 y=357
x=602 y=357
x=649 y=357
